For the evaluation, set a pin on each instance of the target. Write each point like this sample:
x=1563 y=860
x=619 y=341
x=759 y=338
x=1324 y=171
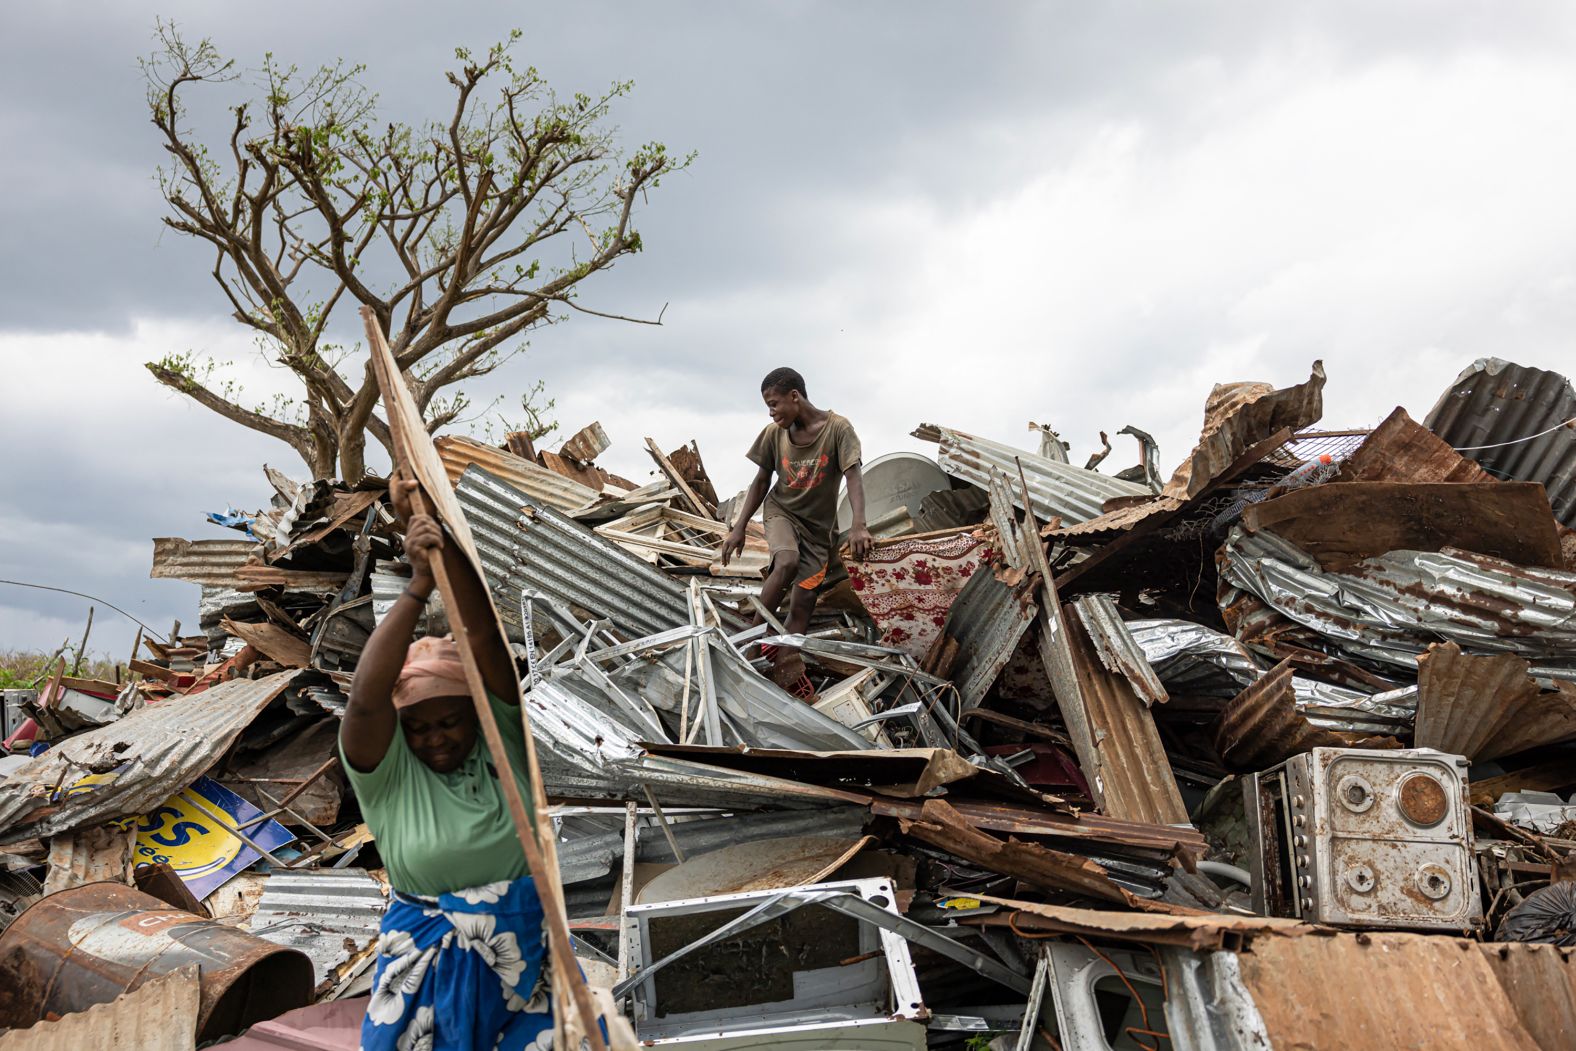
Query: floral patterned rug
x=908 y=585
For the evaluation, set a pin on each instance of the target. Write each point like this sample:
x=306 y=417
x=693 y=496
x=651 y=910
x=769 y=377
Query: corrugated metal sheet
x=1238 y=416
x=212 y=562
x=1113 y=732
x=1402 y=450
x=546 y=487
x=586 y=754
x=330 y=915
x=1382 y=990
x=132 y=764
x=1057 y=490
x=1495 y=402
x=1391 y=607
x=1116 y=522
x=90 y=855
x=1195 y=931
x=1262 y=726
x=1199 y=662
x=987 y=620
x=1116 y=648
x=1540 y=981
x=1483 y=707
x=159 y=1015
x=525 y=547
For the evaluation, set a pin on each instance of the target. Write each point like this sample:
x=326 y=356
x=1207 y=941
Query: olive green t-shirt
x=439 y=833
x=808 y=476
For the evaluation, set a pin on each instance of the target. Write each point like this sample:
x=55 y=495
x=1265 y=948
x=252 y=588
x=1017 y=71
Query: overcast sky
x=972 y=214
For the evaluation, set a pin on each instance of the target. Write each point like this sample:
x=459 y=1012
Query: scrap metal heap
x=1268 y=754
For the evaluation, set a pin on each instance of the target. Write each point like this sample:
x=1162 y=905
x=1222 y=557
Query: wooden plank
x=272 y=641
x=415 y=451
x=698 y=505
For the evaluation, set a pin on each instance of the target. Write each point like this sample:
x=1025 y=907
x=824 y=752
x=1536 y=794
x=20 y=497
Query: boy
x=809 y=449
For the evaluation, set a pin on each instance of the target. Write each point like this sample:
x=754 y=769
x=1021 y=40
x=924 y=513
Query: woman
x=461 y=959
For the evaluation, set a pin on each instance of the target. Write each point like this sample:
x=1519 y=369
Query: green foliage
x=27 y=669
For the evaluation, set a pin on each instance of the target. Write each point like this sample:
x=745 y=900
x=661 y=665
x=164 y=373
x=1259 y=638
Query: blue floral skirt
x=463 y=972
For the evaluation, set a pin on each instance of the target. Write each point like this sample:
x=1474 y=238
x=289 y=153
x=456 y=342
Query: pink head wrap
x=432 y=669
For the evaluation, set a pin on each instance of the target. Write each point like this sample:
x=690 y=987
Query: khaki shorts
x=819 y=566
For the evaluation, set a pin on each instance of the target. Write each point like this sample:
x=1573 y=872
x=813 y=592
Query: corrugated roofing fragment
x=212 y=562
x=133 y=764
x=545 y=487
x=1389 y=608
x=1483 y=707
x=1517 y=422
x=330 y=915
x=527 y=548
x=1238 y=415
x=1056 y=490
x=159 y=1015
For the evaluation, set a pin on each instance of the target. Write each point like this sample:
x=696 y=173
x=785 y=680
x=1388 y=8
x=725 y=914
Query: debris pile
x=1089 y=755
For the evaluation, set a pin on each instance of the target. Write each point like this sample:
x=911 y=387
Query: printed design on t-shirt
x=804 y=474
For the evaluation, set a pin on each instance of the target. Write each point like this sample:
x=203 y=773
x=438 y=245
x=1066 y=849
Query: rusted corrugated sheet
x=158 y=1016
x=1112 y=523
x=587 y=443
x=1199 y=931
x=1402 y=450
x=1116 y=648
x=1502 y=405
x=1236 y=417
x=1114 y=734
x=1540 y=981
x=1483 y=707
x=1056 y=490
x=1261 y=726
x=212 y=562
x=1345 y=522
x=1391 y=607
x=1382 y=990
x=134 y=763
x=90 y=855
x=1118 y=747
x=537 y=482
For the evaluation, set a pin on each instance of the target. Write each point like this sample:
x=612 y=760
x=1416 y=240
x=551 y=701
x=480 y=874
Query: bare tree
x=462 y=236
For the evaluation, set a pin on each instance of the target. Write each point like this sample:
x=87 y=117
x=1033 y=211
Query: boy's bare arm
x=859 y=538
x=752 y=503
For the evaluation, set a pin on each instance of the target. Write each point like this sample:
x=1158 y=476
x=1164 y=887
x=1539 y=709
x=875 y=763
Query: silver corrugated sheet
x=134 y=763
x=528 y=548
x=752 y=710
x=1495 y=402
x=330 y=915
x=211 y=562
x=543 y=486
x=1115 y=647
x=1389 y=608
x=387 y=583
x=988 y=619
x=586 y=754
x=1057 y=490
x=1203 y=663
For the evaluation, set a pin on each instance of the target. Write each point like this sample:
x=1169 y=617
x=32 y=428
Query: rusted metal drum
x=87 y=945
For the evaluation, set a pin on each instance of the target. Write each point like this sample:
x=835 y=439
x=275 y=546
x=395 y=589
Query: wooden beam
x=414 y=450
